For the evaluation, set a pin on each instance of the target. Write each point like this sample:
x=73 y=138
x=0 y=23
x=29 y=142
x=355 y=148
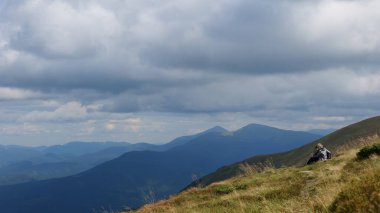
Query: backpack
x=328 y=155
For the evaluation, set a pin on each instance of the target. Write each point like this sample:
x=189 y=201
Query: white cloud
x=7 y=93
x=110 y=126
x=7 y=56
x=128 y=124
x=363 y=85
x=50 y=103
x=349 y=27
x=331 y=118
x=72 y=111
x=23 y=129
x=134 y=124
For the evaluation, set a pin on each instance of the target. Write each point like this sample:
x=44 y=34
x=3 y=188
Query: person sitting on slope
x=320 y=154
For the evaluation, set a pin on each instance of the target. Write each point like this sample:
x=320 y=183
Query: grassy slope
x=293 y=189
x=299 y=156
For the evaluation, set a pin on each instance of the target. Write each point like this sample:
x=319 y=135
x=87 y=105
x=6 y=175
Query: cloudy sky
x=147 y=70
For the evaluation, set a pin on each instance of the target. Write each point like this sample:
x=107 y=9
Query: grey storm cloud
x=264 y=58
x=271 y=37
x=303 y=92
x=139 y=39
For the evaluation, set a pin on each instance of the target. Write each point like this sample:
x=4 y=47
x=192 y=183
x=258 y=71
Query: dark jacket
x=319 y=155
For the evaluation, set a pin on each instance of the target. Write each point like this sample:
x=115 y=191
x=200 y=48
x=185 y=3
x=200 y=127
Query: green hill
x=342 y=184
x=299 y=156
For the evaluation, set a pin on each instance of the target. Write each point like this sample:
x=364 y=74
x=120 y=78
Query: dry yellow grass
x=315 y=188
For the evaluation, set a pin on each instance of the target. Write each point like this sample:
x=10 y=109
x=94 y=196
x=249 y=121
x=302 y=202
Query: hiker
x=320 y=154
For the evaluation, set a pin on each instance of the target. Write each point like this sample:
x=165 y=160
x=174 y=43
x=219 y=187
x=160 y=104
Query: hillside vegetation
x=347 y=136
x=342 y=184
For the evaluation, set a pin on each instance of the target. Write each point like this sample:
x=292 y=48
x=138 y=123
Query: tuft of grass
x=222 y=189
x=361 y=195
x=293 y=189
x=248 y=169
x=368 y=151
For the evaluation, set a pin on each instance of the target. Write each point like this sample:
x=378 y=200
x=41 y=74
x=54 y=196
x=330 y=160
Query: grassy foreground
x=343 y=184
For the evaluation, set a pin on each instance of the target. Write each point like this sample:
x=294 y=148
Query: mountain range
x=20 y=164
x=138 y=177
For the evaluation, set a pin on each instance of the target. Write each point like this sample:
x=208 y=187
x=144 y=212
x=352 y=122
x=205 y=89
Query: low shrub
x=240 y=186
x=226 y=189
x=367 y=151
x=223 y=189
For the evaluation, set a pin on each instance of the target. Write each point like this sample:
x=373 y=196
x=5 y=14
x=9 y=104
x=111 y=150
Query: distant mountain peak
x=216 y=129
x=254 y=127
